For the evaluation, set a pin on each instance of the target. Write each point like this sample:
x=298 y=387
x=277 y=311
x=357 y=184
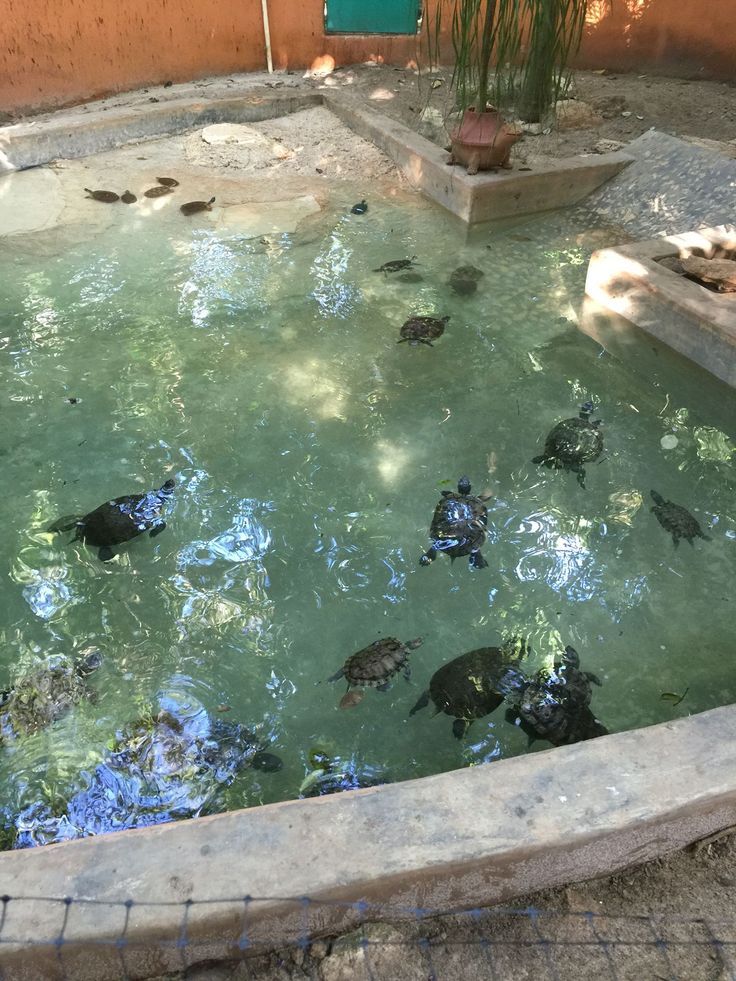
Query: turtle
x=168 y=181
x=464 y=280
x=193 y=207
x=474 y=684
x=555 y=704
x=119 y=520
x=360 y=208
x=459 y=526
x=411 y=277
x=158 y=191
x=396 y=265
x=107 y=196
x=677 y=520
x=422 y=330
x=374 y=666
x=573 y=442
x=128 y=197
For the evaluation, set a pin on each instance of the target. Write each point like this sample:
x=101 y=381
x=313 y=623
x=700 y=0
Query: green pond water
x=309 y=452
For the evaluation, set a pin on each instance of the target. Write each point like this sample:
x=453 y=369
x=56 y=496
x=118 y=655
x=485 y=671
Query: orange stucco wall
x=57 y=52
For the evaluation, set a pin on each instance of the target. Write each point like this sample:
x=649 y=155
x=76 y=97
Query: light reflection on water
x=309 y=451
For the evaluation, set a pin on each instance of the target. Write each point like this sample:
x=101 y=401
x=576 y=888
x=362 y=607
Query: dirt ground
x=671 y=919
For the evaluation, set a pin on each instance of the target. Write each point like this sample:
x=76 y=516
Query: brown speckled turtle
x=396 y=265
x=107 y=196
x=475 y=684
x=127 y=197
x=374 y=666
x=677 y=520
x=459 y=526
x=422 y=330
x=168 y=181
x=573 y=442
x=158 y=191
x=464 y=280
x=194 y=207
x=119 y=520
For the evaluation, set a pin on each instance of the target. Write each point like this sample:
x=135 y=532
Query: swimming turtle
x=360 y=208
x=107 y=196
x=474 y=684
x=459 y=526
x=395 y=265
x=119 y=520
x=43 y=696
x=572 y=443
x=422 y=330
x=464 y=279
x=127 y=197
x=193 y=207
x=168 y=181
x=158 y=191
x=555 y=704
x=374 y=666
x=677 y=520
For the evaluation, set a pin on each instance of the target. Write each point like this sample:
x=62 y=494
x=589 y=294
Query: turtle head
x=210 y=203
x=463 y=486
x=586 y=410
x=168 y=487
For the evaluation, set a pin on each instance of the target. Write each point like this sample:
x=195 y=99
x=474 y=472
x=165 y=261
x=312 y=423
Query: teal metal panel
x=371 y=16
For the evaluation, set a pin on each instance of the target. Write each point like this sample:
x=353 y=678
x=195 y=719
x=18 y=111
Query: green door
x=371 y=16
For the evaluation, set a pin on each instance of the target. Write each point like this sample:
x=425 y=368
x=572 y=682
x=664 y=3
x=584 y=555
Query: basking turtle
x=396 y=265
x=42 y=697
x=555 y=704
x=193 y=207
x=422 y=330
x=464 y=280
x=158 y=191
x=127 y=197
x=677 y=520
x=475 y=684
x=119 y=520
x=107 y=196
x=374 y=666
x=459 y=526
x=168 y=181
x=360 y=208
x=572 y=443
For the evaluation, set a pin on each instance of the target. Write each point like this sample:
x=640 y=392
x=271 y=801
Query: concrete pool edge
x=457 y=840
x=556 y=183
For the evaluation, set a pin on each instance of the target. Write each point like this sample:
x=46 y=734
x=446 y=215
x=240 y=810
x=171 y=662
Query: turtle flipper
x=407 y=672
x=424 y=340
x=580 y=471
x=422 y=703
x=157 y=530
x=384 y=687
x=337 y=675
x=706 y=538
x=676 y=540
x=66 y=523
x=477 y=561
x=105 y=554
x=403 y=340
x=593 y=678
x=460 y=727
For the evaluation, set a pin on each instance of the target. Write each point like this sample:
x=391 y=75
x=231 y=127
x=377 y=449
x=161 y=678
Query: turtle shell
x=677 y=520
x=107 y=196
x=423 y=328
x=574 y=441
x=376 y=664
x=158 y=191
x=458 y=524
x=474 y=684
x=123 y=518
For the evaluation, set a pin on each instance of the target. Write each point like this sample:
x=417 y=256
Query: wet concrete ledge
x=483 y=197
x=457 y=840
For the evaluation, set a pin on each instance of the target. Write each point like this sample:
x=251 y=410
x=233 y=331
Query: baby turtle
x=677 y=520
x=475 y=684
x=192 y=207
x=360 y=208
x=374 y=666
x=128 y=197
x=168 y=181
x=158 y=191
x=572 y=443
x=396 y=265
x=555 y=704
x=422 y=330
x=119 y=520
x=459 y=526
x=107 y=196
x=464 y=280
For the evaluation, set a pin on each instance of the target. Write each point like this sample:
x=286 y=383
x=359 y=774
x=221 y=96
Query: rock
x=672 y=262
x=431 y=123
x=608 y=146
x=574 y=114
x=533 y=129
x=319 y=950
x=729 y=149
x=720 y=272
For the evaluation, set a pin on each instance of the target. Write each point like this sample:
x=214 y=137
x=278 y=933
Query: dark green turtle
x=194 y=207
x=168 y=181
x=107 y=196
x=374 y=666
x=459 y=526
x=127 y=197
x=572 y=443
x=422 y=330
x=158 y=191
x=396 y=265
x=475 y=684
x=119 y=520
x=555 y=704
x=360 y=208
x=464 y=280
x=677 y=520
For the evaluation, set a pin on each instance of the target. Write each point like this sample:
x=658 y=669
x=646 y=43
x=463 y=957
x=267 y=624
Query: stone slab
x=458 y=840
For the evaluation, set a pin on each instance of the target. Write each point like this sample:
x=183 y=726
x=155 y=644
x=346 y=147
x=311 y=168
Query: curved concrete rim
x=457 y=840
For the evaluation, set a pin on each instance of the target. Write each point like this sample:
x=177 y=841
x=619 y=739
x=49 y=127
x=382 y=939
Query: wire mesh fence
x=283 y=937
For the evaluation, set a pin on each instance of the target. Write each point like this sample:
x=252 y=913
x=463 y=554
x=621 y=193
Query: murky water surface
x=309 y=451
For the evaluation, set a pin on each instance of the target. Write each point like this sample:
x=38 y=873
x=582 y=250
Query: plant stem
x=485 y=55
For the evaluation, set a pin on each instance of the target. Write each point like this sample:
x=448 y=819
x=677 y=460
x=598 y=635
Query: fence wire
x=381 y=942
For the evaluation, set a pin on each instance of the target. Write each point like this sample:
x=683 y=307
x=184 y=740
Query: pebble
x=669 y=442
